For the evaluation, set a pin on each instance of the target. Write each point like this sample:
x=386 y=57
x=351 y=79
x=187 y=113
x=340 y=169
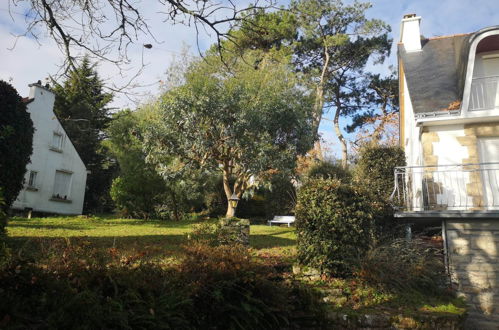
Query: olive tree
x=247 y=121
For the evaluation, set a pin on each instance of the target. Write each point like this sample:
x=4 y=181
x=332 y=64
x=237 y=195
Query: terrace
x=457 y=188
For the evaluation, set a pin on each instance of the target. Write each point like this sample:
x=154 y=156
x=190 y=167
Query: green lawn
x=156 y=238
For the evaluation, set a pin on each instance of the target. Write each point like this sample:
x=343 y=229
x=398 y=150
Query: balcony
x=466 y=187
x=484 y=93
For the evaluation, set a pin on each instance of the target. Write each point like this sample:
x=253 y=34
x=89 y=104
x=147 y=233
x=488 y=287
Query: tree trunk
x=339 y=134
x=231 y=212
x=228 y=193
x=319 y=104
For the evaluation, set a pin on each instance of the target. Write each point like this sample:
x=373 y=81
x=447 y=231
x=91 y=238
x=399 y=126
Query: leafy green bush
x=335 y=225
x=375 y=168
x=402 y=265
x=3 y=214
x=232 y=291
x=329 y=170
x=16 y=142
x=4 y=250
x=280 y=196
x=219 y=233
x=139 y=191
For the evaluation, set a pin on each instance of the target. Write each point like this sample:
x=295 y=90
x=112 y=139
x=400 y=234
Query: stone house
x=56 y=176
x=449 y=129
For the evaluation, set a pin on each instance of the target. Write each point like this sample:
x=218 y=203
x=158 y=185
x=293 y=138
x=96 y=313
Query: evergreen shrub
x=16 y=142
x=335 y=225
x=329 y=170
x=375 y=168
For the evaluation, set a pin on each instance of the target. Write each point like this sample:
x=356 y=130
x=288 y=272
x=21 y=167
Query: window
x=56 y=141
x=62 y=184
x=32 y=179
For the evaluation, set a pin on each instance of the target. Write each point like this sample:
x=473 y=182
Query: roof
x=27 y=100
x=436 y=75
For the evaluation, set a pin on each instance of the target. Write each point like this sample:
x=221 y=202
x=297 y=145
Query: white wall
x=452 y=178
x=412 y=138
x=46 y=161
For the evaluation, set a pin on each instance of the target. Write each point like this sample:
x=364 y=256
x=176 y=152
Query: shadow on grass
x=151 y=245
x=269 y=241
x=47 y=226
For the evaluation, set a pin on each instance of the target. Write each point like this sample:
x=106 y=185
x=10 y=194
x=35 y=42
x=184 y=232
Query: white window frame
x=32 y=180
x=69 y=185
x=60 y=141
x=465 y=112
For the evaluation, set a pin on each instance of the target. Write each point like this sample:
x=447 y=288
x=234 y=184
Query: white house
x=56 y=177
x=449 y=129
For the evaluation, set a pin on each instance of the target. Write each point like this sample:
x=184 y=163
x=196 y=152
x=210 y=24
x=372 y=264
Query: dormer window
x=484 y=94
x=57 y=140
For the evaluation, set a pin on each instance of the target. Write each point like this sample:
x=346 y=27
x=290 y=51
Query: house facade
x=56 y=176
x=449 y=129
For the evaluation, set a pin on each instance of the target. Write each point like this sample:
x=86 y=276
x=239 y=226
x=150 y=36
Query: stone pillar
x=473 y=252
x=236 y=230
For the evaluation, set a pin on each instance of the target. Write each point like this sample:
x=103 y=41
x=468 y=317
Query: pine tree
x=81 y=105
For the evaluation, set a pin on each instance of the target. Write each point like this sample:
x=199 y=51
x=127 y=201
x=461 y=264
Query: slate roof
x=436 y=75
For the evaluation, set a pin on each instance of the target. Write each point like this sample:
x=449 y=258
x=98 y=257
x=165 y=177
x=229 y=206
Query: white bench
x=289 y=219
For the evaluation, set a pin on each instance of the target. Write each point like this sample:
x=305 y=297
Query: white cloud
x=29 y=62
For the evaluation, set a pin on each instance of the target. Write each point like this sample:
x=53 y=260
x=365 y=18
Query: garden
x=174 y=231
x=343 y=265
x=106 y=272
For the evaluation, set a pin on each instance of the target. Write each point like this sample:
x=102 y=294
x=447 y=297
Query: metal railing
x=464 y=187
x=484 y=93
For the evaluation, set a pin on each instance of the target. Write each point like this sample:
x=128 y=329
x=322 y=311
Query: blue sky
x=30 y=61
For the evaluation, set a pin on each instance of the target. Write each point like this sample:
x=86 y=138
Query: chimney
x=410 y=34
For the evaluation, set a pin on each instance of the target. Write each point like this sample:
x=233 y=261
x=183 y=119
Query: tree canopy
x=16 y=142
x=248 y=122
x=82 y=107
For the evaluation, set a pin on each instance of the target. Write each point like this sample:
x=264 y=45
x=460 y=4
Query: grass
x=157 y=238
x=164 y=241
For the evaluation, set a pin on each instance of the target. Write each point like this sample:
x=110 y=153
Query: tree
x=379 y=119
x=107 y=28
x=244 y=121
x=335 y=43
x=82 y=107
x=138 y=190
x=16 y=142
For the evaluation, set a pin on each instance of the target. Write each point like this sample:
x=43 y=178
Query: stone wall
x=473 y=251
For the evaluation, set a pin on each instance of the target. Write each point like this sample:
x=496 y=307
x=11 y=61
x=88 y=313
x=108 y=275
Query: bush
x=334 y=225
x=234 y=292
x=402 y=266
x=223 y=232
x=211 y=288
x=328 y=170
x=375 y=168
x=280 y=197
x=3 y=214
x=4 y=250
x=138 y=194
x=16 y=142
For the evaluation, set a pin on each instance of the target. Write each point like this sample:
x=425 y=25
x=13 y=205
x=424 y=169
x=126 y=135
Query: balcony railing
x=484 y=93
x=466 y=187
